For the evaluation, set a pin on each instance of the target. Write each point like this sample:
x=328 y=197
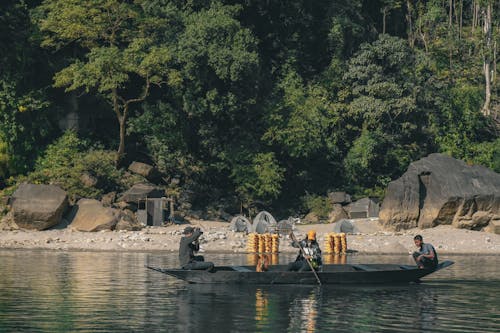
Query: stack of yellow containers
x=264 y=243
x=343 y=242
x=335 y=243
x=328 y=248
x=269 y=243
x=253 y=243
x=275 y=248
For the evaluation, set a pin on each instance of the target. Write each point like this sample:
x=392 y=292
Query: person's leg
x=428 y=263
x=199 y=258
x=304 y=267
x=294 y=266
x=201 y=265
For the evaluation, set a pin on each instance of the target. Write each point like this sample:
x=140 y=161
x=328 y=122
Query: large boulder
x=91 y=215
x=438 y=190
x=337 y=213
x=38 y=207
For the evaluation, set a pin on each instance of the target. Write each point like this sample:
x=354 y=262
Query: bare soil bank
x=218 y=237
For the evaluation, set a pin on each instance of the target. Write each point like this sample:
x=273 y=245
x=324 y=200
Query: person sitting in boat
x=309 y=248
x=426 y=256
x=189 y=244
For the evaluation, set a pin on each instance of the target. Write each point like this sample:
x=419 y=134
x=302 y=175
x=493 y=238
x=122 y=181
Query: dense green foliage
x=275 y=102
x=68 y=159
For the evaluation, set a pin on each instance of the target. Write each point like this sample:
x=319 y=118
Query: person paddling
x=312 y=252
x=426 y=256
x=188 y=245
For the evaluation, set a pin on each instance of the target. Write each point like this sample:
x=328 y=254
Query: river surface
x=46 y=291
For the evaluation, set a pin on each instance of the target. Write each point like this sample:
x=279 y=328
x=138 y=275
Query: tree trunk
x=121 y=122
x=384 y=15
x=450 y=36
x=411 y=36
x=121 y=148
x=487 y=59
x=461 y=19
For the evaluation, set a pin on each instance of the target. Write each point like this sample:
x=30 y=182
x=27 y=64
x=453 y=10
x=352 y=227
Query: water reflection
x=113 y=292
x=335 y=259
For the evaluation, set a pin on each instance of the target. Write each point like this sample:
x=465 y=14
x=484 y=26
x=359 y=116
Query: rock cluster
x=439 y=190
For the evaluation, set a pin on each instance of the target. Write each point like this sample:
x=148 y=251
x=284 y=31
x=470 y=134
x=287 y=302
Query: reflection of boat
x=329 y=274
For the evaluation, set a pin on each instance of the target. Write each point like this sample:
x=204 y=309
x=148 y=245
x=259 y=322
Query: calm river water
x=44 y=291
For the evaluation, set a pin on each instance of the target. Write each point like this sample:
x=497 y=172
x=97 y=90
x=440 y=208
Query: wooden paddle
x=305 y=256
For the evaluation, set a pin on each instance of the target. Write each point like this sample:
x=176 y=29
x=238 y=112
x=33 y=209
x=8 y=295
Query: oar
x=305 y=255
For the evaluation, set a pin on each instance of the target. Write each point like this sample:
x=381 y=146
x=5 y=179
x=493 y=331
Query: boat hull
x=330 y=274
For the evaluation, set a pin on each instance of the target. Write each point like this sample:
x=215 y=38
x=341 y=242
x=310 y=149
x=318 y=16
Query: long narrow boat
x=329 y=274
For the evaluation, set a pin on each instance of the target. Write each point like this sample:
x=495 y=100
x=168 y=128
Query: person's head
x=188 y=231
x=311 y=235
x=418 y=240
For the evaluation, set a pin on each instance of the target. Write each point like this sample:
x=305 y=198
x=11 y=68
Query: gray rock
x=141 y=191
x=91 y=215
x=147 y=171
x=38 y=207
x=358 y=226
x=337 y=213
x=339 y=198
x=312 y=217
x=494 y=227
x=108 y=199
x=344 y=225
x=128 y=222
x=438 y=190
x=363 y=208
x=88 y=180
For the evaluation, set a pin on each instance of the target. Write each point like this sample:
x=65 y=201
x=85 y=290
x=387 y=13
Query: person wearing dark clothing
x=312 y=253
x=426 y=256
x=188 y=245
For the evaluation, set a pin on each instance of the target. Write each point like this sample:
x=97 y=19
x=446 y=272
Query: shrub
x=4 y=161
x=316 y=204
x=66 y=160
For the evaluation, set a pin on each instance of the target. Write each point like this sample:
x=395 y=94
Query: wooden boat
x=329 y=274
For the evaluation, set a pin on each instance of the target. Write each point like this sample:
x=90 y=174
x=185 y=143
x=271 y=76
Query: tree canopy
x=276 y=102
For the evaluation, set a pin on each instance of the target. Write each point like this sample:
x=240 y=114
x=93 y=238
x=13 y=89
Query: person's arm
x=196 y=234
x=296 y=244
x=427 y=252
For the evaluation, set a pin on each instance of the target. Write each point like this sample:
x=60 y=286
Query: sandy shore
x=218 y=237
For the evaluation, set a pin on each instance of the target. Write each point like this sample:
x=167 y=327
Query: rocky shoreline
x=219 y=238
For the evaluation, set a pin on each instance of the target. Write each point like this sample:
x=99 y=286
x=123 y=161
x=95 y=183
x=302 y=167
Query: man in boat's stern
x=425 y=256
x=188 y=245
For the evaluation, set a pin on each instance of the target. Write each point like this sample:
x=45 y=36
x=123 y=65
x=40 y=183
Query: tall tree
x=120 y=60
x=487 y=55
x=381 y=90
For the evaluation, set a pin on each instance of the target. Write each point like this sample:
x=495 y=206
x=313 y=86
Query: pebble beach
x=218 y=238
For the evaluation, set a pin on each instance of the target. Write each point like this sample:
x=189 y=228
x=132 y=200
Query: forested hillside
x=242 y=102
